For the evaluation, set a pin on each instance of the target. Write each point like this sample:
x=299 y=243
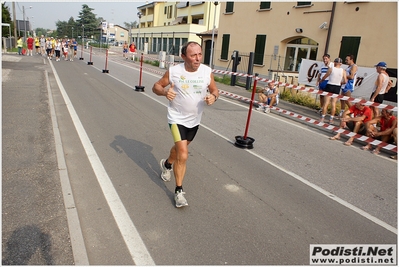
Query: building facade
x=114 y=34
x=165 y=26
x=281 y=34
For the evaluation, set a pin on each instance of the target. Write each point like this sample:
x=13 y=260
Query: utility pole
x=23 y=12
x=15 y=23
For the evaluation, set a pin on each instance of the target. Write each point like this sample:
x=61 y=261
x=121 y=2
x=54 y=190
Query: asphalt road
x=261 y=206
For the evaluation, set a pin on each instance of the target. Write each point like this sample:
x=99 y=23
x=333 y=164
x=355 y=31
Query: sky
x=45 y=14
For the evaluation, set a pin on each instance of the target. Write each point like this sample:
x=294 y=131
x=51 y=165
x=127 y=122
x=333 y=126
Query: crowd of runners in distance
x=50 y=47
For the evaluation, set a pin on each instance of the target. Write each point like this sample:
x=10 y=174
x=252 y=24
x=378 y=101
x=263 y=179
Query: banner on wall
x=364 y=84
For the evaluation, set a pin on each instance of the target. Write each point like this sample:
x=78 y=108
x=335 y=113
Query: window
x=265 y=5
x=177 y=46
x=259 y=49
x=349 y=46
x=298 y=49
x=225 y=47
x=229 y=7
x=169 y=12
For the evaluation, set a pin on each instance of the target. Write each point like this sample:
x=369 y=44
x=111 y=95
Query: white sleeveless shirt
x=336 y=76
x=384 y=85
x=191 y=88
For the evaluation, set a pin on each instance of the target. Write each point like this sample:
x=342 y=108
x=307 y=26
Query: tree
x=130 y=25
x=6 y=18
x=87 y=21
x=41 y=31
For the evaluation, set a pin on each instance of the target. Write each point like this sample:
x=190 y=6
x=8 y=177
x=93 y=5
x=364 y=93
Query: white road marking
x=75 y=231
x=131 y=236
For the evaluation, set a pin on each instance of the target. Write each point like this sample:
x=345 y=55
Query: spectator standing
x=20 y=44
x=30 y=42
x=380 y=86
x=360 y=115
x=132 y=49
x=187 y=95
x=347 y=89
x=388 y=123
x=323 y=70
x=336 y=77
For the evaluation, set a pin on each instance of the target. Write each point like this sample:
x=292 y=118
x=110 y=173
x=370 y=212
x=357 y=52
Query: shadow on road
x=141 y=154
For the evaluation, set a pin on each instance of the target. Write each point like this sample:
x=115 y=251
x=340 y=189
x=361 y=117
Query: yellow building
x=165 y=26
x=281 y=34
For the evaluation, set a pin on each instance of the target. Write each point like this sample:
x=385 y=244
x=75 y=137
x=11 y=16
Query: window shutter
x=259 y=49
x=349 y=46
x=225 y=46
x=229 y=7
x=265 y=5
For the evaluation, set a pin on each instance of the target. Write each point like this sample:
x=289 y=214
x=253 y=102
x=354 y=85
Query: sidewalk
x=34 y=223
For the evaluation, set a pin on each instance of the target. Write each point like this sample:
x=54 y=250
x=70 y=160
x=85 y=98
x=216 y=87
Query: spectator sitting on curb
x=361 y=115
x=388 y=123
x=269 y=96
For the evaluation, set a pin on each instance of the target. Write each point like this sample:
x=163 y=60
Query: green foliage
x=304 y=99
x=87 y=22
x=224 y=79
x=67 y=29
x=6 y=18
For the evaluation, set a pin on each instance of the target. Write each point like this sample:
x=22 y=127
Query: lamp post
x=83 y=42
x=139 y=14
x=24 y=18
x=213 y=35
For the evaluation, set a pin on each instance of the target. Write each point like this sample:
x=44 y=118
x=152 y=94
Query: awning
x=196 y=3
x=178 y=20
x=181 y=4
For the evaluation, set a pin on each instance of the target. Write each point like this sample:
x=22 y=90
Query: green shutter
x=304 y=3
x=259 y=49
x=349 y=46
x=265 y=5
x=225 y=46
x=229 y=7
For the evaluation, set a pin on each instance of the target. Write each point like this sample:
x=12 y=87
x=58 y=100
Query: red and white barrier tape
x=360 y=137
x=299 y=88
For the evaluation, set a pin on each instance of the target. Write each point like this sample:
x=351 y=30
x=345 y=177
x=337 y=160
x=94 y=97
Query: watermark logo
x=353 y=255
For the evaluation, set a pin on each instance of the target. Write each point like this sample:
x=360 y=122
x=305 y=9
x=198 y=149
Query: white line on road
x=131 y=236
x=75 y=231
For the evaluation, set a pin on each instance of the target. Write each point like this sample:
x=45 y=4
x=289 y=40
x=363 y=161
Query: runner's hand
x=170 y=93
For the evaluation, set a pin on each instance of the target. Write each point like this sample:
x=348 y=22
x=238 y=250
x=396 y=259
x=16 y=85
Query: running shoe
x=165 y=175
x=260 y=108
x=180 y=199
x=267 y=110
